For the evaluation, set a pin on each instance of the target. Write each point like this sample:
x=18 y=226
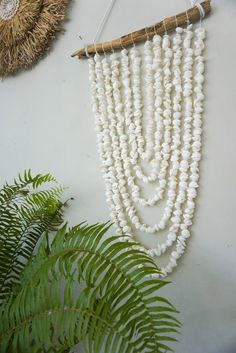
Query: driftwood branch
x=167 y=25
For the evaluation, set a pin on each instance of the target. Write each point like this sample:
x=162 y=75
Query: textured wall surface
x=47 y=125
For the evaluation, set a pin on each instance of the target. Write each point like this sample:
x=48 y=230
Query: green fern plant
x=90 y=289
x=26 y=212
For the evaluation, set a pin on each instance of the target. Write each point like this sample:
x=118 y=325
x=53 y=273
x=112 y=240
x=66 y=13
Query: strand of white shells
x=149 y=88
x=134 y=123
x=158 y=103
x=113 y=142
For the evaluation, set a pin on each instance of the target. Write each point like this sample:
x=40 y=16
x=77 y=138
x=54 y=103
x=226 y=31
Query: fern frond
x=36 y=181
x=88 y=288
x=25 y=214
x=9 y=192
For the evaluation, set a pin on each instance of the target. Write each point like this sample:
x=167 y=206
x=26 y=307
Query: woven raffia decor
x=27 y=34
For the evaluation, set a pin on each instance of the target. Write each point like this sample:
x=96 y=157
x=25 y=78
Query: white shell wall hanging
x=148 y=109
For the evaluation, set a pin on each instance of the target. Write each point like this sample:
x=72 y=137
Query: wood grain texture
x=167 y=25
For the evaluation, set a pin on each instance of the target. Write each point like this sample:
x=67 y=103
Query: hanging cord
x=104 y=21
x=111 y=5
x=100 y=28
x=199 y=6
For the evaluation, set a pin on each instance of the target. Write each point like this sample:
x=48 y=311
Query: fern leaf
x=80 y=289
x=25 y=214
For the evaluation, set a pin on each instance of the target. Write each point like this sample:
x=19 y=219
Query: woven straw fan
x=27 y=28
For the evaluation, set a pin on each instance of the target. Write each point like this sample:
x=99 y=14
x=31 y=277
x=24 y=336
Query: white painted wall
x=47 y=125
